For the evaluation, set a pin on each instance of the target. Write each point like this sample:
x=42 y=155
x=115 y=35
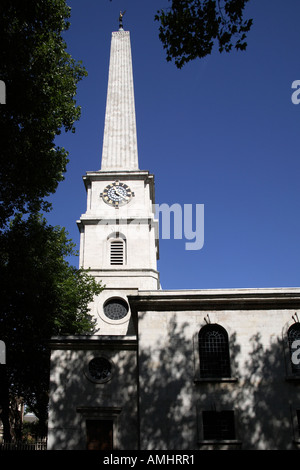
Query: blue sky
x=222 y=132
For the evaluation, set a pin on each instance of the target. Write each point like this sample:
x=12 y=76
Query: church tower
x=93 y=378
x=118 y=233
x=166 y=370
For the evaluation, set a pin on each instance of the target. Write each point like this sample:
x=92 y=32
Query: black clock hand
x=119 y=194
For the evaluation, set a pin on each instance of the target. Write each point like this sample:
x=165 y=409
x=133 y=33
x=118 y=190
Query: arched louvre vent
x=117 y=252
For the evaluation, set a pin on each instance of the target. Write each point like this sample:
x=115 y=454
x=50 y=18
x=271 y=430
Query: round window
x=115 y=309
x=100 y=369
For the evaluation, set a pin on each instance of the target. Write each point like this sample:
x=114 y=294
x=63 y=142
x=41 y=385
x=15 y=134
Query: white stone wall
x=135 y=221
x=72 y=391
x=120 y=139
x=172 y=396
x=135 y=224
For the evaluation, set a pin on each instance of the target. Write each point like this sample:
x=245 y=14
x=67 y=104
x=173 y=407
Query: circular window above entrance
x=115 y=309
x=99 y=369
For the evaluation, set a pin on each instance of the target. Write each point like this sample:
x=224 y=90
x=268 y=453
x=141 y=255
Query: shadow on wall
x=72 y=390
x=171 y=402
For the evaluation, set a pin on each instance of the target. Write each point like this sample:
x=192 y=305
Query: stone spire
x=120 y=138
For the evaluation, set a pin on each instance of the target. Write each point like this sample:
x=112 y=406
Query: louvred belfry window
x=117 y=255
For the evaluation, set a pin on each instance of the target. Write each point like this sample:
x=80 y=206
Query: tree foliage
x=41 y=79
x=190 y=28
x=42 y=295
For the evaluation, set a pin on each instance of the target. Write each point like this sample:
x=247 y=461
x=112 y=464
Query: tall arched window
x=293 y=336
x=214 y=352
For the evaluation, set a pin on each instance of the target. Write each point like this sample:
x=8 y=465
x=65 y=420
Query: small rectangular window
x=218 y=425
x=298 y=422
x=99 y=435
x=117 y=252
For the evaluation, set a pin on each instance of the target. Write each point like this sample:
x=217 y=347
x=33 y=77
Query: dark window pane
x=99 y=434
x=116 y=309
x=293 y=335
x=218 y=425
x=100 y=368
x=214 y=352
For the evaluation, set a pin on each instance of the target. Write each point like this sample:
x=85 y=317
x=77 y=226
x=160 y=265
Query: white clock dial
x=117 y=194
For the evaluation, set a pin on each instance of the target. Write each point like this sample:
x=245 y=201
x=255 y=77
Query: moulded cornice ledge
x=205 y=300
x=102 y=175
x=93 y=342
x=101 y=410
x=217 y=443
x=215 y=379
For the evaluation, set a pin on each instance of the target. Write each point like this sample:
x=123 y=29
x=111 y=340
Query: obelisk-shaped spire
x=120 y=138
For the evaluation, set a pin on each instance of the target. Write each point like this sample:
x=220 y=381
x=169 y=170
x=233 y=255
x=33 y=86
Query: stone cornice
x=96 y=342
x=102 y=175
x=235 y=299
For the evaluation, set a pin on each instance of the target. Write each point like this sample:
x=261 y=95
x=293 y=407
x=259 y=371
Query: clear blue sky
x=222 y=132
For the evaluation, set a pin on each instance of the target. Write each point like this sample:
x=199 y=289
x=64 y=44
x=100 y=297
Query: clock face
x=117 y=194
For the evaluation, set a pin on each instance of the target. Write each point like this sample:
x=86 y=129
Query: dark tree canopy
x=41 y=79
x=41 y=296
x=41 y=293
x=190 y=28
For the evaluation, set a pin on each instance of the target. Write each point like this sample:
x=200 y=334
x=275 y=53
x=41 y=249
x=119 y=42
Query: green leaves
x=42 y=296
x=39 y=283
x=190 y=28
x=41 y=82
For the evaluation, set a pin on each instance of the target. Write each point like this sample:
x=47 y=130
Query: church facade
x=166 y=370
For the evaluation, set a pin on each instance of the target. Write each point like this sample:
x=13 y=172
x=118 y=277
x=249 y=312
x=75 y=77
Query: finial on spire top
x=121 y=19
